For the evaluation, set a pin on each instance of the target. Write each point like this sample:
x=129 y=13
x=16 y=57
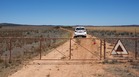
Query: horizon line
x=70 y=25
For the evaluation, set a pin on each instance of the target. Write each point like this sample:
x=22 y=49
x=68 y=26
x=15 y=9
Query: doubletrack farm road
x=81 y=49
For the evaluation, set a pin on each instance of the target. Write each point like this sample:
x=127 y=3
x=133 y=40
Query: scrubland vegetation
x=114 y=31
x=25 y=43
x=113 y=34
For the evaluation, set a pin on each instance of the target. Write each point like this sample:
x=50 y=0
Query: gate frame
x=102 y=46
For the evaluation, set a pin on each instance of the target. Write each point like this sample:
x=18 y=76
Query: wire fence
x=19 y=48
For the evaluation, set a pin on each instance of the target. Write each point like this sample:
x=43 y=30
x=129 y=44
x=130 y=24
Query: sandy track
x=65 y=68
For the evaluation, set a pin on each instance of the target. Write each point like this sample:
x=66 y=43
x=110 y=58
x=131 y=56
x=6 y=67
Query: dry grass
x=117 y=29
x=25 y=49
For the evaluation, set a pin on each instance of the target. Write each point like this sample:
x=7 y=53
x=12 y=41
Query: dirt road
x=81 y=49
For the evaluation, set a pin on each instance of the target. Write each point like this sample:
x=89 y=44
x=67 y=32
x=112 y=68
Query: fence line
x=102 y=52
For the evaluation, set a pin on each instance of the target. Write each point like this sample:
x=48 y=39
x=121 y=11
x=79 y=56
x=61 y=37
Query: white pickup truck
x=80 y=31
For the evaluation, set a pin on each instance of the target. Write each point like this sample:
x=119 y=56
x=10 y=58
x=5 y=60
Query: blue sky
x=70 y=12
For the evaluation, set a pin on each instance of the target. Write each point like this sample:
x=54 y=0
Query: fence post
x=100 y=49
x=70 y=50
x=136 y=53
x=40 y=47
x=104 y=49
x=10 y=49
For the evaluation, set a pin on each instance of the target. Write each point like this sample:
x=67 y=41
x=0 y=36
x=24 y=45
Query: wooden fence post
x=70 y=50
x=10 y=49
x=100 y=49
x=104 y=49
x=136 y=53
x=40 y=47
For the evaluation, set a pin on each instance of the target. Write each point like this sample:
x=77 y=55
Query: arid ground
x=82 y=61
x=66 y=68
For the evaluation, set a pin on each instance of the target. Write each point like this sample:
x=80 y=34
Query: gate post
x=104 y=49
x=10 y=49
x=70 y=50
x=40 y=47
x=100 y=49
x=136 y=53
